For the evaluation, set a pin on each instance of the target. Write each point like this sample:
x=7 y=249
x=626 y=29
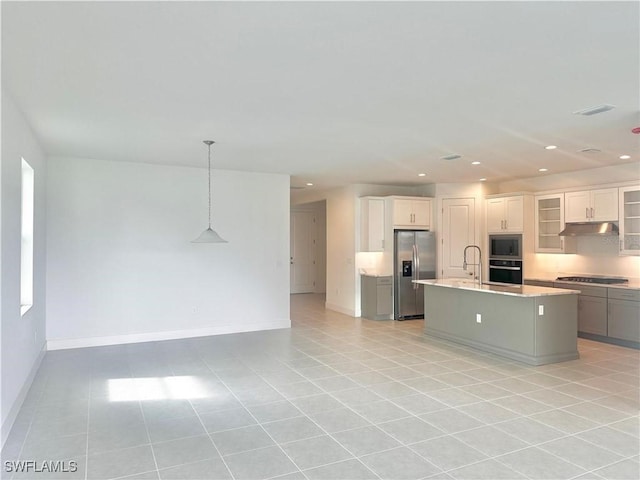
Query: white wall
x=22 y=337
x=594 y=255
x=121 y=266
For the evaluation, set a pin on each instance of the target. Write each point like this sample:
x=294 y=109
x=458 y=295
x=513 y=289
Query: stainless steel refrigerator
x=414 y=259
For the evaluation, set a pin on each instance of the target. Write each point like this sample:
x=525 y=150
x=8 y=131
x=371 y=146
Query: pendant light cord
x=209 y=185
x=209 y=235
x=208 y=143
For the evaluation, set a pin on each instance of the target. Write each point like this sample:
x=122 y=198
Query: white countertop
x=514 y=290
x=633 y=284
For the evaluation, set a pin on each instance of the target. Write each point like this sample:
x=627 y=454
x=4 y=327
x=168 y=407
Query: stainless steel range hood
x=589 y=228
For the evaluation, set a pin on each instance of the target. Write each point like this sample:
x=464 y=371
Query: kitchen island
x=534 y=325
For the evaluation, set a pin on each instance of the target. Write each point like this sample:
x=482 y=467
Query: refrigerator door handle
x=416 y=264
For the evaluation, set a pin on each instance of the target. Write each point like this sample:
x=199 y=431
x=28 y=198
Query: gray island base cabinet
x=534 y=325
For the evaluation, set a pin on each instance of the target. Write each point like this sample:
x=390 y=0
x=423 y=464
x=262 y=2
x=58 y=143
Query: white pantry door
x=458 y=231
x=302 y=251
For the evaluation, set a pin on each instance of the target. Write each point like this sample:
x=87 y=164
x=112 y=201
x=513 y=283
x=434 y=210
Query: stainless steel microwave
x=507 y=247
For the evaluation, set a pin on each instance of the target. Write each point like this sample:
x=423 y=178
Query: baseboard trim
x=338 y=308
x=64 y=344
x=17 y=404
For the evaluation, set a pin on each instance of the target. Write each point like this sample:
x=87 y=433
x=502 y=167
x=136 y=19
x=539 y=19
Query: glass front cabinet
x=629 y=209
x=549 y=221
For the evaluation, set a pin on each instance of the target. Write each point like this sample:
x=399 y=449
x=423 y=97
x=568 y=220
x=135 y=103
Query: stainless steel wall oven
x=505 y=259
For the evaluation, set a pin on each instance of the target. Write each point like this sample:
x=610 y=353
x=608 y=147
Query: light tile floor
x=332 y=398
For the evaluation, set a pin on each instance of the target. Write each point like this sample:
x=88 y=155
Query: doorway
x=307 y=256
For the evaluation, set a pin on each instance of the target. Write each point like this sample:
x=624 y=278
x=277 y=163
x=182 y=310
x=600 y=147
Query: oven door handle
x=505 y=268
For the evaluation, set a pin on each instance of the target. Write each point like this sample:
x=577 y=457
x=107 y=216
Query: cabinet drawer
x=622 y=294
x=584 y=289
x=383 y=281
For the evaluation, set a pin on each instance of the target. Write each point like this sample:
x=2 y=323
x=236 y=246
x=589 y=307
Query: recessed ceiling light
x=593 y=110
x=625 y=157
x=550 y=147
x=453 y=156
x=309 y=184
x=483 y=179
x=422 y=174
x=543 y=169
x=475 y=163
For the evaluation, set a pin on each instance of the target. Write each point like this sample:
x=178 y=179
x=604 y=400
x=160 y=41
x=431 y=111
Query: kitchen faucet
x=479 y=264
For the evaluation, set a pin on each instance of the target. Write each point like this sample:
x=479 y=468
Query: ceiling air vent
x=594 y=110
x=453 y=156
x=590 y=150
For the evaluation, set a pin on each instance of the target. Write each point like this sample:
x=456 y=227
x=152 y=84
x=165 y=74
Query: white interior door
x=302 y=252
x=458 y=231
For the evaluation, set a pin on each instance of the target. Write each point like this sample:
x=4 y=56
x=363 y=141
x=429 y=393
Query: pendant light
x=209 y=235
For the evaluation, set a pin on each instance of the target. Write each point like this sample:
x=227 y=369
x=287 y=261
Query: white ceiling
x=332 y=92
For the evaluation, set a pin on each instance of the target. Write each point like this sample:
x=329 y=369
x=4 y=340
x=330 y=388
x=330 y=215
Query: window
x=26 y=249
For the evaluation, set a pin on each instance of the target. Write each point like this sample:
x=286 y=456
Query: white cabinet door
x=403 y=212
x=549 y=222
x=591 y=206
x=422 y=213
x=629 y=210
x=576 y=206
x=605 y=205
x=412 y=213
x=371 y=224
x=505 y=214
x=495 y=215
x=514 y=214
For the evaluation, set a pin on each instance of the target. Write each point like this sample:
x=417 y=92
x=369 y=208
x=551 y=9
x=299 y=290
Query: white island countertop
x=515 y=290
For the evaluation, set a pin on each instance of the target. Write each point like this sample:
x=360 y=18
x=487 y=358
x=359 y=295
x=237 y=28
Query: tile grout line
x=146 y=428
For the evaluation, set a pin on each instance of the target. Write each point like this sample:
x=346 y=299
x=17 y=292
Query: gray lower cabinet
x=376 y=297
x=592 y=308
x=592 y=314
x=605 y=314
x=624 y=315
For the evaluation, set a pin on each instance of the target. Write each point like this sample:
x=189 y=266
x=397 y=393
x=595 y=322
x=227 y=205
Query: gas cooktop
x=586 y=279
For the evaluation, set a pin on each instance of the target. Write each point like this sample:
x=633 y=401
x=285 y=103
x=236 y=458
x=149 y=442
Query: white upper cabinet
x=592 y=206
x=411 y=212
x=372 y=224
x=505 y=214
x=549 y=221
x=630 y=220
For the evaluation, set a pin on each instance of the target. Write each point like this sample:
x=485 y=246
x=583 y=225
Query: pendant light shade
x=209 y=235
